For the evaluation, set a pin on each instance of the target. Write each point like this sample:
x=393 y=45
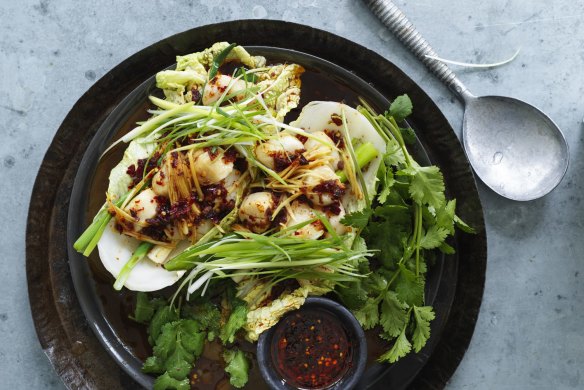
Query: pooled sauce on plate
x=311 y=349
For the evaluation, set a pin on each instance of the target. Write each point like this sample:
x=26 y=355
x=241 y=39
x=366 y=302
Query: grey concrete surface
x=530 y=333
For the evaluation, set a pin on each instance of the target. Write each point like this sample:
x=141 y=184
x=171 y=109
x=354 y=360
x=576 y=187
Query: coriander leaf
x=408 y=135
x=393 y=314
x=400 y=348
x=394 y=214
x=376 y=283
x=433 y=237
x=394 y=155
x=368 y=315
x=388 y=233
x=388 y=239
x=165 y=342
x=427 y=185
x=358 y=219
x=422 y=267
x=386 y=181
x=153 y=365
x=385 y=336
x=179 y=363
x=446 y=249
x=400 y=196
x=237 y=367
x=206 y=314
x=163 y=315
x=462 y=225
x=353 y=295
x=166 y=382
x=359 y=244
x=400 y=108
x=445 y=216
x=145 y=308
x=183 y=333
x=423 y=316
x=178 y=345
x=383 y=194
x=236 y=320
x=409 y=287
x=192 y=337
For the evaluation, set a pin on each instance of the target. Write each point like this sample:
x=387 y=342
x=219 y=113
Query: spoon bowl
x=517 y=150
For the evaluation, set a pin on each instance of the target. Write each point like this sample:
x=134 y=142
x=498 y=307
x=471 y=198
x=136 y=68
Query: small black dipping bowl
x=328 y=308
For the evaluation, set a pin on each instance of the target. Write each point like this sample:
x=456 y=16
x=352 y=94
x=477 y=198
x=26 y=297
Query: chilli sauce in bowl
x=319 y=346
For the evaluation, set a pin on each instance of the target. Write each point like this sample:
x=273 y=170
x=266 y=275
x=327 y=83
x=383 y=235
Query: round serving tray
x=66 y=313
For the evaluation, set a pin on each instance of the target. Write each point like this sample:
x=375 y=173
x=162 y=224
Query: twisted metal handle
x=404 y=30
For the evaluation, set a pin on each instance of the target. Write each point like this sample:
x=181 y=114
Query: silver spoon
x=516 y=150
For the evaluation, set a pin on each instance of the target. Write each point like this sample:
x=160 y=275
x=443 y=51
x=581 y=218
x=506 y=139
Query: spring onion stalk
x=351 y=150
x=87 y=242
x=138 y=255
x=196 y=118
x=184 y=260
x=279 y=255
x=364 y=154
x=149 y=125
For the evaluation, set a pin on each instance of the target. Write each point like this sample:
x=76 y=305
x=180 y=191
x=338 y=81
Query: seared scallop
x=256 y=211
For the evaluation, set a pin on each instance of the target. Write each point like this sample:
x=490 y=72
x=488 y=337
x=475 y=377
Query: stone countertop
x=529 y=333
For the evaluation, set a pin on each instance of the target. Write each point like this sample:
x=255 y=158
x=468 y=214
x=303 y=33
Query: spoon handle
x=400 y=26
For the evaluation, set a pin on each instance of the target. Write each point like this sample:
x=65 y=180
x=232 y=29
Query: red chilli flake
x=174 y=159
x=311 y=349
x=180 y=210
x=214 y=205
x=230 y=155
x=142 y=166
x=162 y=217
x=302 y=160
x=282 y=160
x=336 y=119
x=213 y=152
x=337 y=138
x=301 y=138
x=331 y=187
x=240 y=164
x=196 y=94
x=334 y=208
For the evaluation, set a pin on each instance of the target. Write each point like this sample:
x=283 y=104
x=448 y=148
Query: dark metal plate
x=64 y=328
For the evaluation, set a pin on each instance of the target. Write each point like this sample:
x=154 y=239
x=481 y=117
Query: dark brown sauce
x=319 y=86
x=311 y=349
x=118 y=306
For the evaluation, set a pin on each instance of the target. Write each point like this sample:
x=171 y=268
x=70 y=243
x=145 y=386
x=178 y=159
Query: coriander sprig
x=410 y=218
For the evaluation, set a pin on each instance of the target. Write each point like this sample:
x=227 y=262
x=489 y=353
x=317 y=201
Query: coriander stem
x=418 y=232
x=393 y=278
x=392 y=126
